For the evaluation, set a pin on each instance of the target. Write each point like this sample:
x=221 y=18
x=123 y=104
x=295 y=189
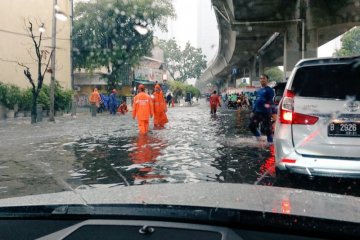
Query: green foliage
x=43 y=98
x=104 y=34
x=9 y=95
x=194 y=91
x=26 y=100
x=179 y=89
x=350 y=44
x=275 y=74
x=63 y=98
x=183 y=64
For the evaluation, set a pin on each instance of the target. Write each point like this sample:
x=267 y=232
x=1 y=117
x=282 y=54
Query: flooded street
x=193 y=147
x=107 y=150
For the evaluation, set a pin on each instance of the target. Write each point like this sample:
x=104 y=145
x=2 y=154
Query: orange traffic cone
x=172 y=103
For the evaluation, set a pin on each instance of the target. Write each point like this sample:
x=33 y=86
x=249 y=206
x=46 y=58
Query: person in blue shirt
x=113 y=102
x=262 y=110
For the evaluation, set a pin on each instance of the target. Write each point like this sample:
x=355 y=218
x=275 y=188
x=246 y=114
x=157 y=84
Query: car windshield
x=102 y=95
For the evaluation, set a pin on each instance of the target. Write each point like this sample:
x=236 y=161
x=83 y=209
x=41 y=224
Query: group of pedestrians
x=99 y=102
x=146 y=107
x=262 y=109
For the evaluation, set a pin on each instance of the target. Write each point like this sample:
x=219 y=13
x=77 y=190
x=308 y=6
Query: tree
x=40 y=56
x=177 y=88
x=193 y=90
x=104 y=33
x=180 y=88
x=350 y=44
x=275 y=74
x=183 y=65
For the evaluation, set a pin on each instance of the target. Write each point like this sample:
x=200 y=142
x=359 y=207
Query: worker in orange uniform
x=94 y=100
x=160 y=108
x=122 y=108
x=143 y=109
x=214 y=102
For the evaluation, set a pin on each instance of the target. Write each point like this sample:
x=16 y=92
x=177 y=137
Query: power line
x=12 y=61
x=26 y=35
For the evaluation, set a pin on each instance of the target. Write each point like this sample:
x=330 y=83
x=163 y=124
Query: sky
x=195 y=23
x=329 y=48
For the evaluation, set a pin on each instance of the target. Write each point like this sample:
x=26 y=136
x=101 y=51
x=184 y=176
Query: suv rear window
x=327 y=81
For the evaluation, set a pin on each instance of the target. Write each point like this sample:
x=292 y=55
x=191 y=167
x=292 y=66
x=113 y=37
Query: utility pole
x=53 y=47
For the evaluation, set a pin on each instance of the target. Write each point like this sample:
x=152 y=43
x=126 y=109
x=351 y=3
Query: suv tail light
x=287 y=114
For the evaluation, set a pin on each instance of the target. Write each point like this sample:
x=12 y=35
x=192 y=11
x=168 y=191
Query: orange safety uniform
x=95 y=98
x=160 y=108
x=123 y=108
x=143 y=110
x=214 y=102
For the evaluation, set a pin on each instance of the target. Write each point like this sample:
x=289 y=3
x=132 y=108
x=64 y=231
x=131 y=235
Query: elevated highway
x=255 y=34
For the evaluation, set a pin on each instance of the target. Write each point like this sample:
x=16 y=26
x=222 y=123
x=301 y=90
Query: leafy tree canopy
x=350 y=44
x=183 y=64
x=180 y=88
x=104 y=33
x=275 y=74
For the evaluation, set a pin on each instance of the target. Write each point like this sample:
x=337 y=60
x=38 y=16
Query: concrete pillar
x=254 y=74
x=285 y=58
x=2 y=112
x=73 y=107
x=261 y=66
x=298 y=44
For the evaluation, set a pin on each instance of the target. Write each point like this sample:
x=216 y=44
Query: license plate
x=349 y=129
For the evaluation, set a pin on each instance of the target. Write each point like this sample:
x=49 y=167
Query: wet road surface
x=107 y=150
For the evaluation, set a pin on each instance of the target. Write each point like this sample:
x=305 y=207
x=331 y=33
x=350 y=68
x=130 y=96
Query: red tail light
x=287 y=114
x=288 y=160
x=299 y=118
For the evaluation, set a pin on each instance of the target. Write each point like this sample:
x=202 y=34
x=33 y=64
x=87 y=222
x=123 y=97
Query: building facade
x=17 y=46
x=149 y=71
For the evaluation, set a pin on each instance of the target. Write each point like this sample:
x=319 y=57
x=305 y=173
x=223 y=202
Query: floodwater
x=193 y=147
x=107 y=150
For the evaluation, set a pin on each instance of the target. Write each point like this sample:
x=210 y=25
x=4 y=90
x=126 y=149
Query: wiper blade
x=73 y=209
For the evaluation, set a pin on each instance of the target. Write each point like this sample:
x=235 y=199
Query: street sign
x=234 y=71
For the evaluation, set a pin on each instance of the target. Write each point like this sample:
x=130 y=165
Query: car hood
x=219 y=195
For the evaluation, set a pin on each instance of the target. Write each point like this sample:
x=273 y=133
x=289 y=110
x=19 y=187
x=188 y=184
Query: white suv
x=317 y=131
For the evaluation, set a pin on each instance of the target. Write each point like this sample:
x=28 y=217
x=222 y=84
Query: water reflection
x=268 y=167
x=144 y=154
x=194 y=147
x=99 y=161
x=284 y=206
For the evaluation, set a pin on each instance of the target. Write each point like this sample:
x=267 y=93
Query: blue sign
x=234 y=71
